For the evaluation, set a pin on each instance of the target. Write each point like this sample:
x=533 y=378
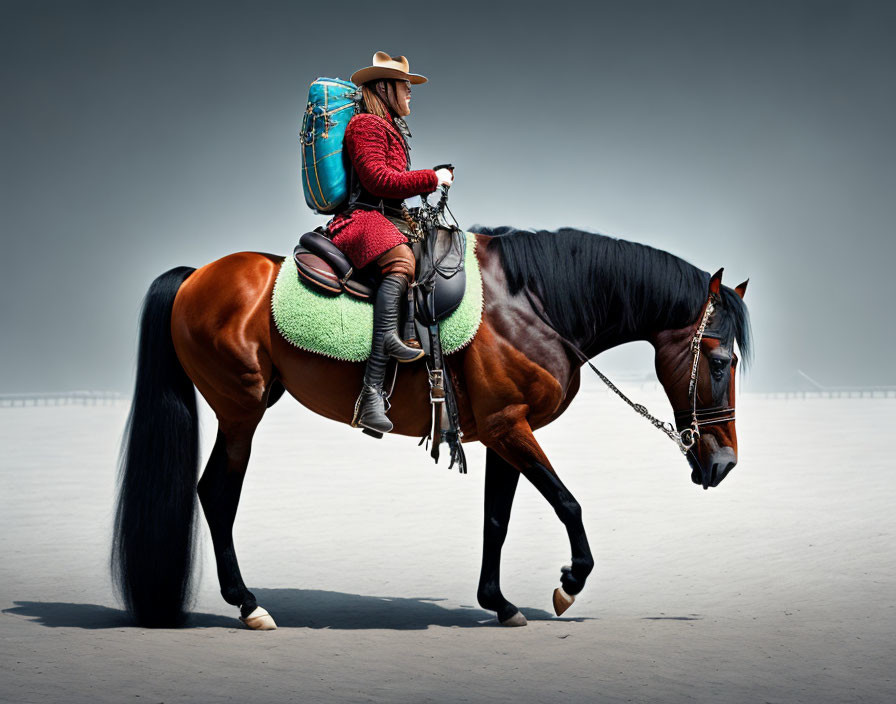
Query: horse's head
x=696 y=366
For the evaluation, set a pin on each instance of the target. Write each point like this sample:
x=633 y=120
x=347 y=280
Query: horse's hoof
x=259 y=620
x=562 y=601
x=516 y=620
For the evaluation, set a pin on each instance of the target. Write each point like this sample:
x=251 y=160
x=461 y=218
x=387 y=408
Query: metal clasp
x=436 y=386
x=688 y=437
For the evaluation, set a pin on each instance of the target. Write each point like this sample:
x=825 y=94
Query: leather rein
x=687 y=437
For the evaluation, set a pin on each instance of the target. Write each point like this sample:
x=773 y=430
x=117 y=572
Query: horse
x=552 y=300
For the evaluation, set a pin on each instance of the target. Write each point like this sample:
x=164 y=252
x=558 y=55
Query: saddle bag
x=332 y=102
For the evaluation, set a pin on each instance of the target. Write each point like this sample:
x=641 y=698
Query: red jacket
x=375 y=149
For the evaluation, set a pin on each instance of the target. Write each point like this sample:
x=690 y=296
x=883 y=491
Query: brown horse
x=549 y=299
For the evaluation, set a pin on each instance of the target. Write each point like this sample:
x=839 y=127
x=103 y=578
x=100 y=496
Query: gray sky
x=758 y=136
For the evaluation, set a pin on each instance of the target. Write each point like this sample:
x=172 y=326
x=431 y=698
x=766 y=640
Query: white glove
x=445 y=177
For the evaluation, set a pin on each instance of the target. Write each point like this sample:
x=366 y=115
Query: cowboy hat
x=385 y=66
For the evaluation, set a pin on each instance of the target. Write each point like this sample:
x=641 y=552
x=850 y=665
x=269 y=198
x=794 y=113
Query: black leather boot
x=372 y=409
x=371 y=404
x=389 y=298
x=371 y=412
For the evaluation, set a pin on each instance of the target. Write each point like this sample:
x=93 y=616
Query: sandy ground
x=776 y=587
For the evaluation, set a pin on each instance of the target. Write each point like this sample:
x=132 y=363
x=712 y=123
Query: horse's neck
x=646 y=330
x=639 y=303
x=643 y=306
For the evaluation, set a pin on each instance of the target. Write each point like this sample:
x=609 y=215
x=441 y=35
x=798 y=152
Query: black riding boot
x=371 y=404
x=389 y=297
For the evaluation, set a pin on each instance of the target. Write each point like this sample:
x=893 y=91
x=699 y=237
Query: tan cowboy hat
x=385 y=66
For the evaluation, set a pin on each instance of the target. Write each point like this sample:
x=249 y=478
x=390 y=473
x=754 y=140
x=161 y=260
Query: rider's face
x=403 y=95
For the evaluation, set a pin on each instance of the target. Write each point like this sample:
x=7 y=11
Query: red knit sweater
x=375 y=149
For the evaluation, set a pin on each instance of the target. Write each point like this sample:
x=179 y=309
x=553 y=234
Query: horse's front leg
x=516 y=444
x=500 y=486
x=568 y=510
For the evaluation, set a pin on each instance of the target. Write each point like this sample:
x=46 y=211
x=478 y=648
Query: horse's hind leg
x=219 y=492
x=501 y=480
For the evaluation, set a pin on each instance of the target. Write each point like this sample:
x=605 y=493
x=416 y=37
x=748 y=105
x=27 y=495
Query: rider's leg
x=397 y=268
x=399 y=262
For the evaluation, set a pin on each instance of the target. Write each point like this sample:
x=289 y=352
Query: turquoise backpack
x=332 y=102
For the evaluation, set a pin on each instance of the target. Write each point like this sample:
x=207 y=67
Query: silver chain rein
x=687 y=437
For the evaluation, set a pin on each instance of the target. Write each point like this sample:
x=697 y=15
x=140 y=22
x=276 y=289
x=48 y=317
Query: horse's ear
x=715 y=282
x=741 y=289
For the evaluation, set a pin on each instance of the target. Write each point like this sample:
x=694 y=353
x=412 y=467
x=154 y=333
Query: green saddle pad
x=342 y=326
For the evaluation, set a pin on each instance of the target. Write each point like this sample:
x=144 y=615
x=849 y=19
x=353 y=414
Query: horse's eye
x=717 y=366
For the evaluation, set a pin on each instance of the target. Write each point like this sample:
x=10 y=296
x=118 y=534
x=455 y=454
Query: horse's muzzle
x=711 y=471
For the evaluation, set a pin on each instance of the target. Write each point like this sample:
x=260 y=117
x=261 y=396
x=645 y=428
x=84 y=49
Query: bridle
x=703 y=416
x=687 y=437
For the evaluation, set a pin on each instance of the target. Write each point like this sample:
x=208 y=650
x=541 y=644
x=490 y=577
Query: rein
x=686 y=438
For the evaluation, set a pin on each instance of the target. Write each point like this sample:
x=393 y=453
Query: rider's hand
x=445 y=177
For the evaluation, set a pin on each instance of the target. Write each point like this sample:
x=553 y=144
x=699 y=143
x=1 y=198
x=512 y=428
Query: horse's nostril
x=720 y=471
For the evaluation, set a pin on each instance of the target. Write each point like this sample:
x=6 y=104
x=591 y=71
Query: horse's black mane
x=595 y=287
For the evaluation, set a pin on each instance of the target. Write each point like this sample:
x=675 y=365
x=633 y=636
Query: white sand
x=776 y=587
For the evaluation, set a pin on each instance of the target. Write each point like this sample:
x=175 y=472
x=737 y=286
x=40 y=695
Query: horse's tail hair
x=152 y=544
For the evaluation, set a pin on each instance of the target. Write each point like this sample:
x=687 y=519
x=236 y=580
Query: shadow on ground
x=54 y=614
x=291 y=608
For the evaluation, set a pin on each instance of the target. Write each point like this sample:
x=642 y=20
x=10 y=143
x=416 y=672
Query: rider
x=372 y=229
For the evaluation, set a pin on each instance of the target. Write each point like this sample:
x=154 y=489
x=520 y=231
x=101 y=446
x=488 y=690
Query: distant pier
x=813 y=389
x=62 y=398
x=834 y=392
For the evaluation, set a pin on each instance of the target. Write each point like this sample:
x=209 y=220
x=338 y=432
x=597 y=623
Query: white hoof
x=562 y=601
x=516 y=620
x=259 y=620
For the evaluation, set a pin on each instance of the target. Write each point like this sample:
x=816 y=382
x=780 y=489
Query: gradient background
x=756 y=136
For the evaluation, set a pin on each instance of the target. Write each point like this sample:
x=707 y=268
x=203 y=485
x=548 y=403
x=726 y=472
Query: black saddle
x=441 y=279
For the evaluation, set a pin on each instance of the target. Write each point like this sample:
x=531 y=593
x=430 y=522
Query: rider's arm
x=367 y=142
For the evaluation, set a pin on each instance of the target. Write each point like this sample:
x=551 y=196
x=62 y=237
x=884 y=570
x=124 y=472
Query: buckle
x=436 y=386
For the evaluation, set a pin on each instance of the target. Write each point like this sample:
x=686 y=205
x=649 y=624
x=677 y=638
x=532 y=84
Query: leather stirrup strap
x=446 y=418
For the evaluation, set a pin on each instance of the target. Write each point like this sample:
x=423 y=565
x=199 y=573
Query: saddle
x=440 y=277
x=438 y=290
x=323 y=265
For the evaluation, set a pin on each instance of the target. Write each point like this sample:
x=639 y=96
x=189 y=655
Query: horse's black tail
x=152 y=546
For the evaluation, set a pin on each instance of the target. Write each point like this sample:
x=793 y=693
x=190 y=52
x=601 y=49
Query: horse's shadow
x=291 y=608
